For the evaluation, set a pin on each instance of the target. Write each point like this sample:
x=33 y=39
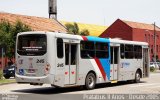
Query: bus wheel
x=137 y=77
x=90 y=81
x=6 y=77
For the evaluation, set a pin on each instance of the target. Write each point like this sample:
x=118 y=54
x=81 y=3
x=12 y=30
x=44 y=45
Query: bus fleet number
x=40 y=61
x=60 y=65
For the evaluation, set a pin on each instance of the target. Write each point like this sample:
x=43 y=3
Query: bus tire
x=137 y=77
x=7 y=77
x=90 y=81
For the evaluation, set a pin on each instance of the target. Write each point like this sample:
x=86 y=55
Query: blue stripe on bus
x=104 y=62
x=106 y=66
x=97 y=39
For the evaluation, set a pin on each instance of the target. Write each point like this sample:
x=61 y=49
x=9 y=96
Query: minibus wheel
x=90 y=81
x=137 y=77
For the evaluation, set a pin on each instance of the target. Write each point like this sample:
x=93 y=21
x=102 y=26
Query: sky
x=100 y=12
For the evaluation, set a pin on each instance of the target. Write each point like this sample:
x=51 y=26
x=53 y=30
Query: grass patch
x=3 y=81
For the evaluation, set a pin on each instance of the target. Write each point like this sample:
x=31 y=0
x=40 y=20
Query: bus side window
x=102 y=50
x=138 y=52
x=87 y=49
x=129 y=53
x=122 y=51
x=59 y=48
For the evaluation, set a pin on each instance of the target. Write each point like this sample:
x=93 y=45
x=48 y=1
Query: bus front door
x=70 y=63
x=114 y=63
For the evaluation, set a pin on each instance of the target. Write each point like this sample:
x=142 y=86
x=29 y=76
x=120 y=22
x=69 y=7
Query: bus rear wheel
x=90 y=81
x=137 y=77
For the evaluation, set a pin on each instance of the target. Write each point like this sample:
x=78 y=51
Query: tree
x=8 y=34
x=5 y=35
x=19 y=27
x=74 y=29
x=84 y=32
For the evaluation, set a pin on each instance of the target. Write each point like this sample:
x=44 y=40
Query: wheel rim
x=90 y=81
x=138 y=77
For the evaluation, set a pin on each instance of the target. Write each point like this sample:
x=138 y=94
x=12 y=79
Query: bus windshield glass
x=32 y=44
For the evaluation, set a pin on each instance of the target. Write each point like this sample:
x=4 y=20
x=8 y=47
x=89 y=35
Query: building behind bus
x=35 y=23
x=135 y=31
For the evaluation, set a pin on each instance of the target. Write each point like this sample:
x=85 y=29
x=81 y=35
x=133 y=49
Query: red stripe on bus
x=101 y=68
x=84 y=38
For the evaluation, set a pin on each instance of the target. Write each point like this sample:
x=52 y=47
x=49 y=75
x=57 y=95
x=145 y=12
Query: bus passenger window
x=122 y=51
x=102 y=50
x=138 y=52
x=129 y=54
x=87 y=49
x=59 y=48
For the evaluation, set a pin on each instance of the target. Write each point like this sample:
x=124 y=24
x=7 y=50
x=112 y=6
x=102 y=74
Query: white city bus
x=64 y=60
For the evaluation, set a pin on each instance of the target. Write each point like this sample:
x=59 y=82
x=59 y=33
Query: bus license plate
x=31 y=70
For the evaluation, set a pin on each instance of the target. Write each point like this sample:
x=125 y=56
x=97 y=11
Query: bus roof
x=86 y=38
x=128 y=42
x=55 y=34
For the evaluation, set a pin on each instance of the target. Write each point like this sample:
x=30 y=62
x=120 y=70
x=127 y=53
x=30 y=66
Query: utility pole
x=155 y=38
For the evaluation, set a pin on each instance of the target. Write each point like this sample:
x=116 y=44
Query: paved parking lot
x=148 y=85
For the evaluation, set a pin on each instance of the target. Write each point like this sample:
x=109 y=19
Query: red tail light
x=47 y=68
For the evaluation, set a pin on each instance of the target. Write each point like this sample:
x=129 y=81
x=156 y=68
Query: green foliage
x=70 y=28
x=8 y=34
x=19 y=27
x=5 y=26
x=74 y=29
x=152 y=69
x=84 y=32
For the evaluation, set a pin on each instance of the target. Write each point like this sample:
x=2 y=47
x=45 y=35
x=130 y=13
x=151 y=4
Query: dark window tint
x=122 y=51
x=32 y=44
x=59 y=48
x=67 y=54
x=87 y=49
x=73 y=54
x=70 y=54
x=94 y=49
x=111 y=53
x=116 y=55
x=129 y=54
x=138 y=52
x=101 y=50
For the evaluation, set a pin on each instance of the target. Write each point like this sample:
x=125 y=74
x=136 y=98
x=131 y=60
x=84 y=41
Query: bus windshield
x=32 y=44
